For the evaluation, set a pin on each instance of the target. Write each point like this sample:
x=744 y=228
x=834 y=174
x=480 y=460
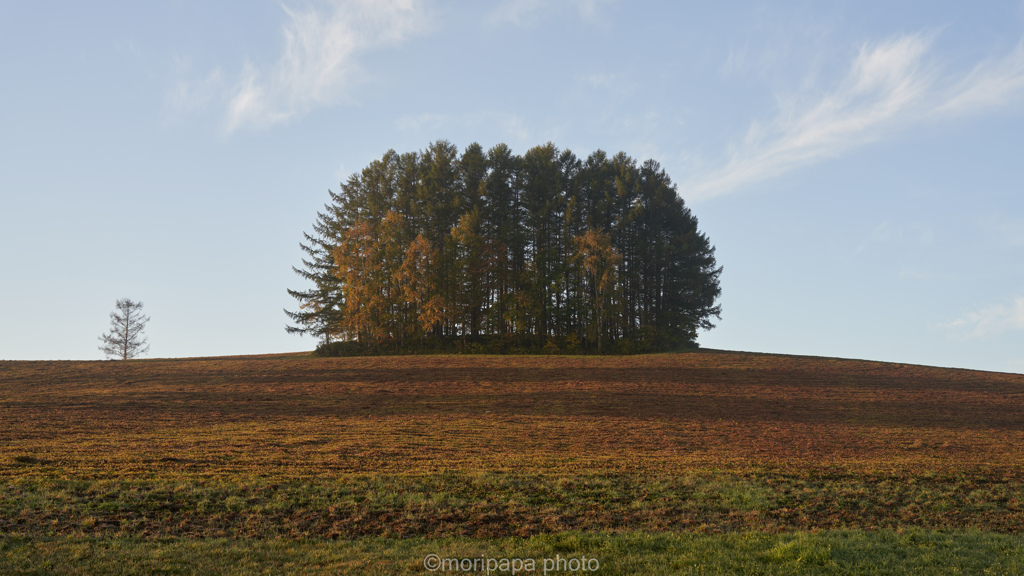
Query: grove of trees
x=490 y=251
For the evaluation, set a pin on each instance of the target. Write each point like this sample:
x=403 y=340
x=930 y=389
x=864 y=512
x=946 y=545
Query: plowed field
x=292 y=446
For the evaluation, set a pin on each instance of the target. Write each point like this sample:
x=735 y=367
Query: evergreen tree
x=321 y=307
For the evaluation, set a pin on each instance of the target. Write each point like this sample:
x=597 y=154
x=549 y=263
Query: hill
x=505 y=446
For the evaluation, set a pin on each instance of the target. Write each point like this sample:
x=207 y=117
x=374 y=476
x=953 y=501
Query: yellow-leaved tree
x=596 y=260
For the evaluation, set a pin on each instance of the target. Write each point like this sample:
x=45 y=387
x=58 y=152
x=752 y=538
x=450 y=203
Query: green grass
x=688 y=525
x=491 y=504
x=822 y=553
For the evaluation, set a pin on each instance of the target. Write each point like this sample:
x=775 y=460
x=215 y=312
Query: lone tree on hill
x=125 y=339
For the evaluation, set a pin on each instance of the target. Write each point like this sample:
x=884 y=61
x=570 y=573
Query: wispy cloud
x=992 y=320
x=991 y=83
x=520 y=12
x=888 y=86
x=321 y=46
x=188 y=96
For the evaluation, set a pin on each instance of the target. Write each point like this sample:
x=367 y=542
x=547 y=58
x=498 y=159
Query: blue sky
x=858 y=165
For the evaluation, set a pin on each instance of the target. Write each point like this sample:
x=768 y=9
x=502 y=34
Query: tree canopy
x=487 y=250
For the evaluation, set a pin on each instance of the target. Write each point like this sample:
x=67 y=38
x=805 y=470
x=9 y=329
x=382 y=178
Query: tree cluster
x=488 y=249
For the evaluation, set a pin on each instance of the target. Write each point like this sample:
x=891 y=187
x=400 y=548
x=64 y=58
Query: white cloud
x=991 y=83
x=888 y=86
x=320 y=49
x=521 y=12
x=992 y=320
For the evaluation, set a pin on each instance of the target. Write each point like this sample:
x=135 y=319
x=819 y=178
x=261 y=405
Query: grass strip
x=844 y=552
x=493 y=504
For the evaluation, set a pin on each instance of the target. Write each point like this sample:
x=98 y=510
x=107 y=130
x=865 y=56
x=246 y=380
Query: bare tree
x=125 y=339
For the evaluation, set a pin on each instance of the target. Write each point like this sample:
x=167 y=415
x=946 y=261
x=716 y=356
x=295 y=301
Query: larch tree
x=125 y=340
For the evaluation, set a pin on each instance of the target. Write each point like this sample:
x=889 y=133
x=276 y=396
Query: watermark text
x=488 y=565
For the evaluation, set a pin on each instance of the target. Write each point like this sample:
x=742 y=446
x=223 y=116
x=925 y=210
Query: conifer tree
x=321 y=307
x=125 y=340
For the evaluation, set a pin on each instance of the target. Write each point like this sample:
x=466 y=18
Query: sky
x=858 y=165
